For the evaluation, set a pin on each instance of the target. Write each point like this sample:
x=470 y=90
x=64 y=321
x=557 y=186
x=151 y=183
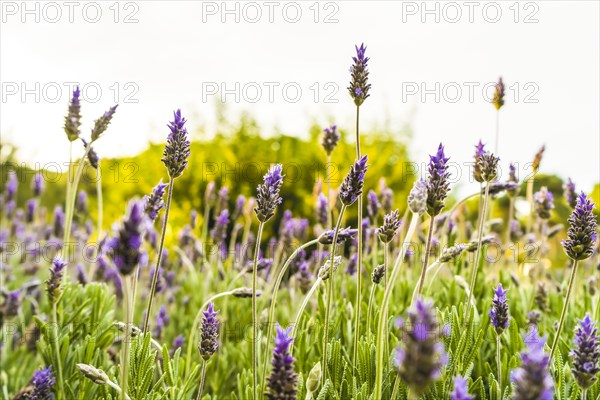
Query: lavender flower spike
x=343 y=235
x=54 y=283
x=177 y=150
x=267 y=197
x=488 y=166
x=73 y=118
x=586 y=354
x=581 y=236
x=499 y=310
x=421 y=348
x=11 y=185
x=417 y=199
x=209 y=337
x=352 y=186
x=570 y=193
x=437 y=182
x=101 y=124
x=37 y=185
x=460 y=389
x=479 y=152
x=543 y=202
x=533 y=380
x=281 y=384
x=43 y=381
x=125 y=246
x=498 y=99
x=155 y=202
x=322 y=210
x=359 y=88
x=330 y=139
x=391 y=224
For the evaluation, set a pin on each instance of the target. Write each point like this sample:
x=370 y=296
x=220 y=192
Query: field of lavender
x=342 y=293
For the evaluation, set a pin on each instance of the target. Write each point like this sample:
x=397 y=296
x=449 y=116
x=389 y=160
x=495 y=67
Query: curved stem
x=382 y=320
x=202 y=378
x=370 y=305
x=159 y=256
x=427 y=249
x=192 y=335
x=117 y=388
x=564 y=310
x=301 y=310
x=56 y=347
x=278 y=280
x=360 y=252
x=475 y=268
x=330 y=288
x=254 y=314
x=429 y=268
x=396 y=388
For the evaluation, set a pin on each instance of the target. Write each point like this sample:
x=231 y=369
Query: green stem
x=127 y=303
x=429 y=268
x=159 y=256
x=301 y=310
x=370 y=305
x=564 y=310
x=117 y=388
x=529 y=195
x=499 y=366
x=396 y=387
x=497 y=131
x=328 y=189
x=360 y=253
x=386 y=248
x=275 y=290
x=475 y=268
x=56 y=346
x=202 y=378
x=254 y=314
x=330 y=288
x=382 y=320
x=426 y=260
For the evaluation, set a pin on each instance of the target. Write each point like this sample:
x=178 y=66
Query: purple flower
x=460 y=389
x=437 y=182
x=239 y=207
x=322 y=210
x=126 y=244
x=267 y=198
x=344 y=234
x=101 y=124
x=570 y=193
x=512 y=179
x=81 y=275
x=352 y=185
x=82 y=202
x=543 y=202
x=219 y=233
x=586 y=354
x=533 y=380
x=43 y=380
x=330 y=139
x=162 y=320
x=54 y=283
x=499 y=310
x=37 y=186
x=282 y=382
x=73 y=118
x=421 y=348
x=373 y=205
x=31 y=207
x=11 y=305
x=479 y=152
x=359 y=76
x=59 y=222
x=92 y=156
x=581 y=236
x=498 y=99
x=11 y=185
x=177 y=150
x=155 y=202
x=386 y=198
x=391 y=224
x=209 y=336
x=178 y=342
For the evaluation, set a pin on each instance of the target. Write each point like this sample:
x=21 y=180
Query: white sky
x=178 y=49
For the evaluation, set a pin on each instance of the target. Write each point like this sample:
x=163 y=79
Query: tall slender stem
x=497 y=131
x=307 y=298
x=254 y=314
x=202 y=378
x=386 y=248
x=327 y=192
x=499 y=366
x=529 y=195
x=564 y=310
x=475 y=268
x=360 y=253
x=426 y=260
x=159 y=256
x=127 y=303
x=56 y=346
x=380 y=363
x=278 y=280
x=396 y=387
x=511 y=212
x=330 y=288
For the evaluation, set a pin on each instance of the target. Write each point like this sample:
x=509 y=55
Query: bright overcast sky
x=288 y=64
